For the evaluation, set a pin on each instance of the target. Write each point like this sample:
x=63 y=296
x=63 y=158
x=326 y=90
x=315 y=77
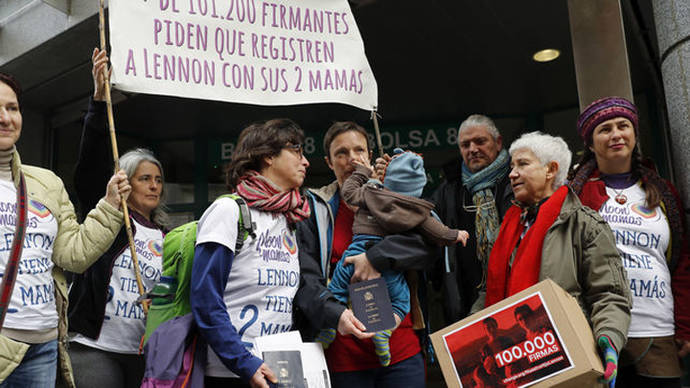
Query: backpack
x=178 y=259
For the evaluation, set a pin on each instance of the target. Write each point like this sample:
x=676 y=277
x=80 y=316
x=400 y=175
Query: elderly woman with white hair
x=549 y=234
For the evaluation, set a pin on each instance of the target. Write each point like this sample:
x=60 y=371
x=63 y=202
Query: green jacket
x=76 y=247
x=580 y=255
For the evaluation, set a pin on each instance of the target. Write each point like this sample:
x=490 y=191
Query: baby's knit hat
x=405 y=173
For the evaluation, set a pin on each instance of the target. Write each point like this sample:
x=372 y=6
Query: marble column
x=672 y=19
x=599 y=50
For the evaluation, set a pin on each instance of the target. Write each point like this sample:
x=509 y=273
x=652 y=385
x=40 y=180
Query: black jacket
x=88 y=293
x=465 y=274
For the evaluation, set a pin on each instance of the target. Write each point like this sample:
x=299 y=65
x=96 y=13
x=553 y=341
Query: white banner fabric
x=264 y=52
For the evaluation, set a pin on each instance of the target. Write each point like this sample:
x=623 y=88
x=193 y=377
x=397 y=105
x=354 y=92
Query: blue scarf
x=487 y=221
x=488 y=176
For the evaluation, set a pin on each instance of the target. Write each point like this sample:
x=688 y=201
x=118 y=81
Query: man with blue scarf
x=474 y=197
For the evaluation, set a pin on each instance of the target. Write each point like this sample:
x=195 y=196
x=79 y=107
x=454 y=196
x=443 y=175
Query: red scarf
x=261 y=193
x=503 y=281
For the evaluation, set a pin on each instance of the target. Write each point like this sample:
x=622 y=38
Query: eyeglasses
x=474 y=208
x=298 y=149
x=482 y=206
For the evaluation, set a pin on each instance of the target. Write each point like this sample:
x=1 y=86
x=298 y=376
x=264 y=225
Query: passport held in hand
x=287 y=366
x=371 y=304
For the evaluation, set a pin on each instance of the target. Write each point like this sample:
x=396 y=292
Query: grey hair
x=130 y=162
x=547 y=149
x=480 y=120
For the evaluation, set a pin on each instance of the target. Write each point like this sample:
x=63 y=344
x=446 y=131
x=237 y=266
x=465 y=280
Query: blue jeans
x=38 y=368
x=408 y=373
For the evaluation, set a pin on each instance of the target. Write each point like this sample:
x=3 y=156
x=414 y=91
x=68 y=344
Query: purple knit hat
x=604 y=109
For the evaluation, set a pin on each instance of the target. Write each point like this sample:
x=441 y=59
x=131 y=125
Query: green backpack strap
x=245 y=226
x=187 y=241
x=178 y=258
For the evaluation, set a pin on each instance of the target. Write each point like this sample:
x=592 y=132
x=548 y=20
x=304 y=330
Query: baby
x=387 y=208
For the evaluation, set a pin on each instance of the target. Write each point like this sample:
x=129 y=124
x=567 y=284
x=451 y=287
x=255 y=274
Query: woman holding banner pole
x=34 y=336
x=106 y=320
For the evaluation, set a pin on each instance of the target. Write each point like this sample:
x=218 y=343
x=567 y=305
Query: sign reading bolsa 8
x=247 y=51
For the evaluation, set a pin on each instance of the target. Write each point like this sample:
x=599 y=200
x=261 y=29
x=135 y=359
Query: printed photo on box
x=516 y=346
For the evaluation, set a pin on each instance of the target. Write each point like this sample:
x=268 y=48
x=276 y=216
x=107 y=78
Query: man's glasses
x=473 y=208
x=483 y=206
x=298 y=149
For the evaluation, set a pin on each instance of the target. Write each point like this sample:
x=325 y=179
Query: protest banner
x=246 y=51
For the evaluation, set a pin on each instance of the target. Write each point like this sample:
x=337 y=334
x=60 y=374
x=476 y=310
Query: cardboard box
x=538 y=337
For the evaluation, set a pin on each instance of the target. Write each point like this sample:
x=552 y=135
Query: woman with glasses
x=238 y=296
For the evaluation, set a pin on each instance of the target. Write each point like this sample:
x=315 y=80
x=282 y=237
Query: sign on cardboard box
x=538 y=337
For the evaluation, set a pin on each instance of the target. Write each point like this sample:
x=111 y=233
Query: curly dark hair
x=14 y=85
x=260 y=140
x=652 y=192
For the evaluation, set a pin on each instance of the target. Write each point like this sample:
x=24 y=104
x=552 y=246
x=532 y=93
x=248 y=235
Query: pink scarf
x=261 y=193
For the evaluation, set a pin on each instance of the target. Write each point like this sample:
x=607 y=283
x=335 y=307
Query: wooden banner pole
x=116 y=157
x=377 y=131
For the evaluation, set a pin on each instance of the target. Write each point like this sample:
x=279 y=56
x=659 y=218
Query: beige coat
x=76 y=247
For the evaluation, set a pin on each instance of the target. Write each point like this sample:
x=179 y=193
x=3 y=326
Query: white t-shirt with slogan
x=642 y=238
x=124 y=321
x=264 y=276
x=32 y=306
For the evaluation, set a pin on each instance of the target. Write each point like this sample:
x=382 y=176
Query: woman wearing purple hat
x=646 y=216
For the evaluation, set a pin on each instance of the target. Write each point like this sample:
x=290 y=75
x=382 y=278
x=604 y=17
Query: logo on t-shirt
x=643 y=211
x=156 y=247
x=38 y=209
x=289 y=243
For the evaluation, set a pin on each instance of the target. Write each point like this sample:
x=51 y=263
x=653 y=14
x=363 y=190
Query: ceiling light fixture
x=546 y=55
